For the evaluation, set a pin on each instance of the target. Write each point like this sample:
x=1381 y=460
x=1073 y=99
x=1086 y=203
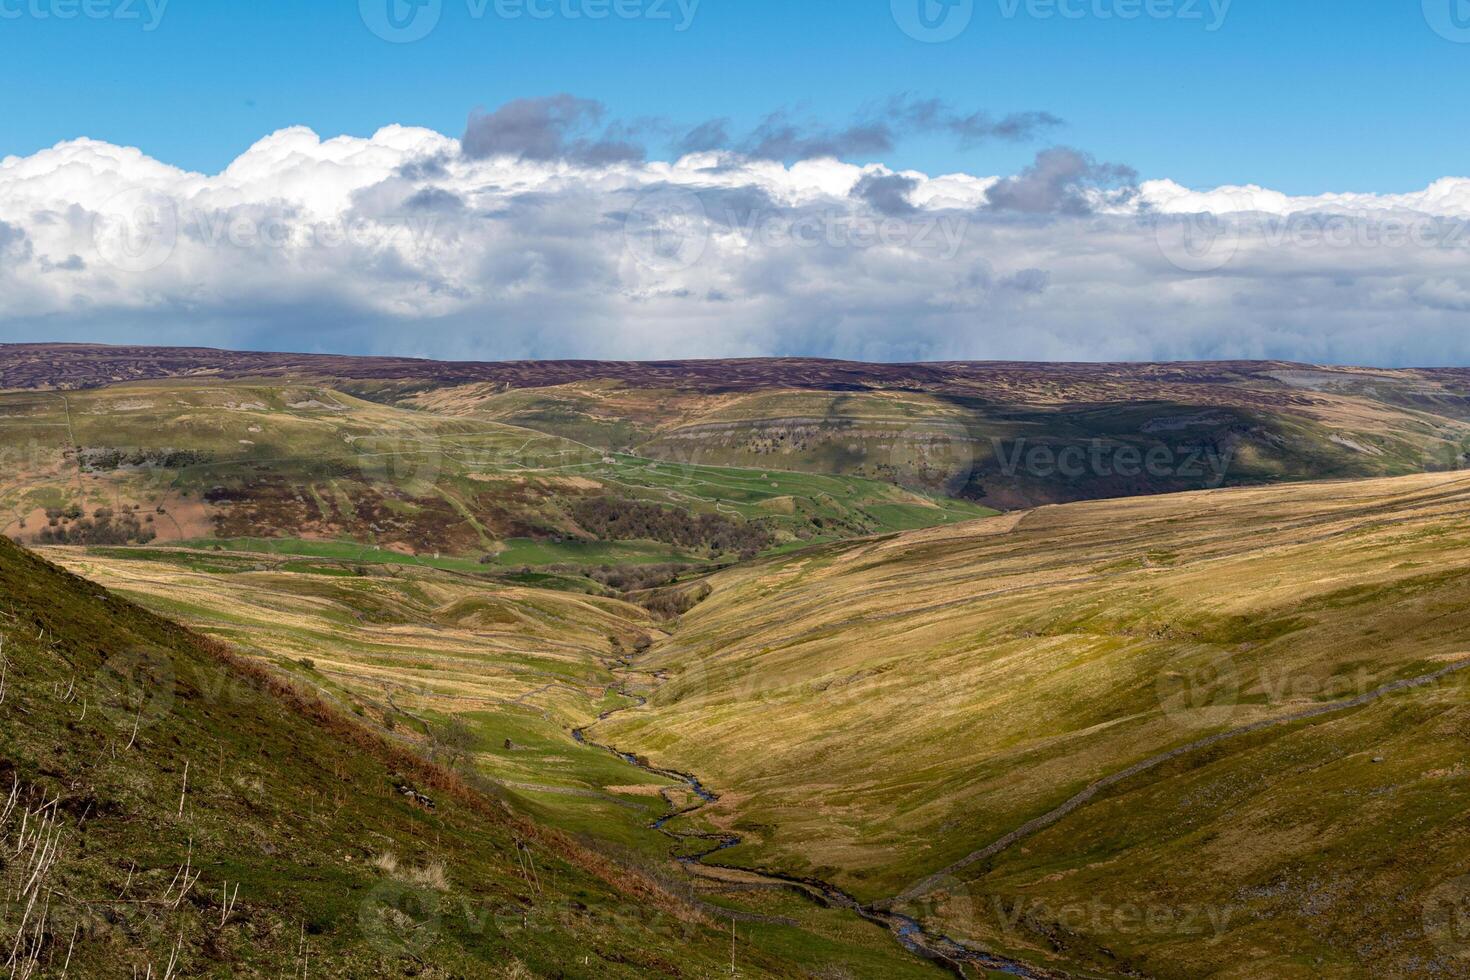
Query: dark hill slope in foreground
x=164 y=808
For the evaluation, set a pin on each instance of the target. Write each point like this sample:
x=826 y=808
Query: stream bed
x=907 y=931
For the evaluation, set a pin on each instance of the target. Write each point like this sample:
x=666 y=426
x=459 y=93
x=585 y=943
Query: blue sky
x=1304 y=96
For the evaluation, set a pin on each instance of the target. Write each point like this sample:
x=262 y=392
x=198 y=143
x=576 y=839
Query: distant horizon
x=9 y=344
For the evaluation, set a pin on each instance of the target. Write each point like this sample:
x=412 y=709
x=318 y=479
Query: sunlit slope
x=1009 y=435
x=199 y=461
x=407 y=649
x=165 y=812
x=877 y=712
x=965 y=428
x=492 y=678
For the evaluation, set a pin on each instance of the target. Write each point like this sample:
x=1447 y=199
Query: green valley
x=686 y=655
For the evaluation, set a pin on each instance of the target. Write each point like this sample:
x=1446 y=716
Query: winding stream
x=941 y=949
x=946 y=952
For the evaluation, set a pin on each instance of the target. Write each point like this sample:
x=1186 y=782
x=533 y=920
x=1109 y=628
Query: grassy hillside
x=407 y=649
x=1008 y=435
x=163 y=807
x=1217 y=733
x=977 y=727
x=494 y=679
x=199 y=463
x=1018 y=435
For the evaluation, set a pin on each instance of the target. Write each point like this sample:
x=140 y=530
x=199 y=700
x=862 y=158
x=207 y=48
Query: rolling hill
x=1076 y=734
x=408 y=649
x=195 y=463
x=756 y=617
x=496 y=681
x=1012 y=436
x=1007 y=435
x=166 y=807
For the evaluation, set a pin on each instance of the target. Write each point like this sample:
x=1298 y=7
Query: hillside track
x=928 y=884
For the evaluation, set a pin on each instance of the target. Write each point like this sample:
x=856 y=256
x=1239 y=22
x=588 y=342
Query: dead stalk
x=67 y=965
x=227 y=905
x=136 y=722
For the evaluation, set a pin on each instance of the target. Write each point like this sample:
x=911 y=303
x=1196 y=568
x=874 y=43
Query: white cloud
x=402 y=243
x=1448 y=197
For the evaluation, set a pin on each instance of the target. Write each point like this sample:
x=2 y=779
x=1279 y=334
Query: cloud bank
x=547 y=231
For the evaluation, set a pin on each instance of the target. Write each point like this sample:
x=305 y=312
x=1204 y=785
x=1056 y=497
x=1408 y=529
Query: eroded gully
x=955 y=957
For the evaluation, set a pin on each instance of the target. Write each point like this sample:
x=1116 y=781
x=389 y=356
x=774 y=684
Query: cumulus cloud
x=522 y=240
x=1063 y=181
x=15 y=244
x=558 y=127
x=887 y=193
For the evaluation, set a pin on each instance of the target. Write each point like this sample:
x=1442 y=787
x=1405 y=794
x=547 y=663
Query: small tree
x=452 y=742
